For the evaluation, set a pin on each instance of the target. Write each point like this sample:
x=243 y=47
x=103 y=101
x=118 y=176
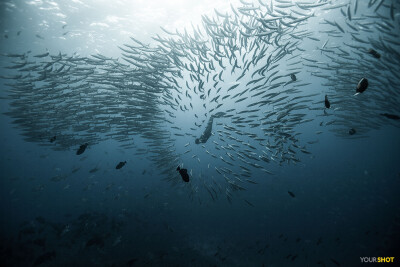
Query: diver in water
x=207 y=132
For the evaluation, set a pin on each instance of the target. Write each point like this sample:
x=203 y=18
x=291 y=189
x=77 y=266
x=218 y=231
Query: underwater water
x=199 y=133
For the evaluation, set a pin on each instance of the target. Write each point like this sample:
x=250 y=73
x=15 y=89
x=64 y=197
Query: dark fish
x=374 y=53
x=249 y=203
x=391 y=116
x=53 y=139
x=352 y=131
x=291 y=194
x=362 y=85
x=183 y=173
x=48 y=256
x=293 y=77
x=335 y=262
x=95 y=169
x=75 y=170
x=120 y=165
x=131 y=262
x=81 y=149
x=327 y=103
x=95 y=241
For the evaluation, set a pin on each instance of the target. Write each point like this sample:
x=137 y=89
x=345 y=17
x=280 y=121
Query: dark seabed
x=284 y=114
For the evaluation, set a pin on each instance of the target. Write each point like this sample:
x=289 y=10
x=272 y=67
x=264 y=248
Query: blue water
x=345 y=204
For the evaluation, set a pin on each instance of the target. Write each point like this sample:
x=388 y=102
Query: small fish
x=95 y=169
x=291 y=194
x=42 y=55
x=293 y=77
x=46 y=257
x=352 y=131
x=249 y=203
x=392 y=11
x=53 y=139
x=131 y=262
x=82 y=149
x=348 y=12
x=391 y=116
x=374 y=53
x=95 y=241
x=327 y=103
x=355 y=7
x=183 y=173
x=362 y=86
x=335 y=262
x=120 y=165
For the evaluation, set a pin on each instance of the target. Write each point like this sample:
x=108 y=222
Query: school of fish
x=268 y=68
